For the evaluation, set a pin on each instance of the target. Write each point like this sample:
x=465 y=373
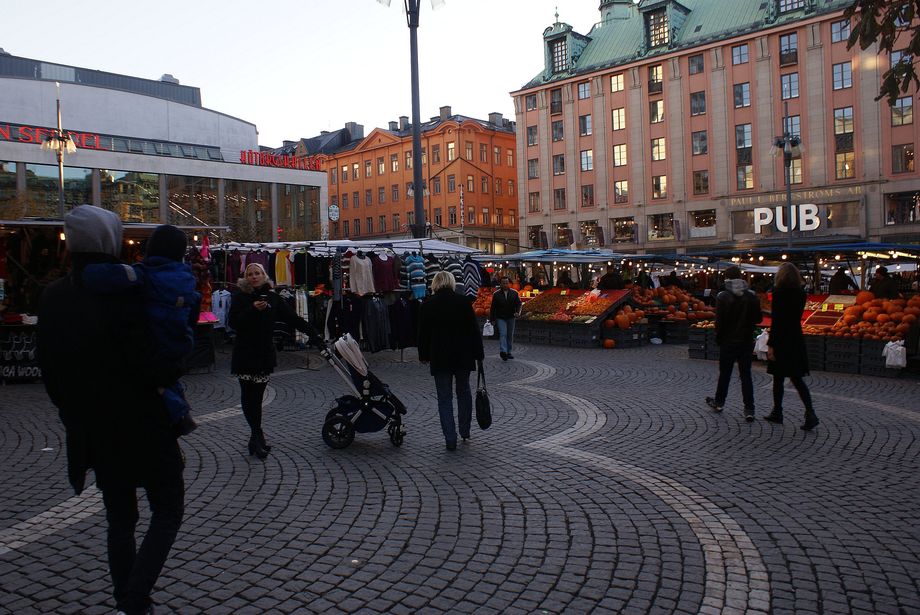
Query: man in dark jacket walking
x=506 y=305
x=737 y=312
x=94 y=353
x=449 y=339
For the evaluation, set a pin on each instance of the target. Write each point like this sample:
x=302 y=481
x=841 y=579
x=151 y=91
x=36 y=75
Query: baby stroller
x=371 y=408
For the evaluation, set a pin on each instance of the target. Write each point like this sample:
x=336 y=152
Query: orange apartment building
x=470 y=176
x=654 y=131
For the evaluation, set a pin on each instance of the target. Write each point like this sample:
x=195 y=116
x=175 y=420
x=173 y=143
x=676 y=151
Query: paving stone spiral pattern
x=605 y=485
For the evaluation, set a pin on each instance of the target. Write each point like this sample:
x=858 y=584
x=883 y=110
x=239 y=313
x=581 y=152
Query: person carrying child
x=171 y=304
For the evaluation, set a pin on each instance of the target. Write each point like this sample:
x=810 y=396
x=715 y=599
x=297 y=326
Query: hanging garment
x=284 y=269
x=403 y=279
x=454 y=267
x=432 y=266
x=471 y=278
x=361 y=275
x=317 y=271
x=402 y=333
x=376 y=324
x=234 y=266
x=220 y=305
x=300 y=269
x=385 y=272
x=415 y=265
x=337 y=274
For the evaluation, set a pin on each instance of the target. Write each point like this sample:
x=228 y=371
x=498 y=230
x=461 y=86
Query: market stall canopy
x=586 y=257
x=327 y=248
x=879 y=250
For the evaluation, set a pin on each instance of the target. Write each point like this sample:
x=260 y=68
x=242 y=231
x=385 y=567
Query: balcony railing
x=655 y=87
x=788 y=58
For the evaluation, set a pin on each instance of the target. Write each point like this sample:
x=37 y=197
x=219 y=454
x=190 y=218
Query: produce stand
x=562 y=317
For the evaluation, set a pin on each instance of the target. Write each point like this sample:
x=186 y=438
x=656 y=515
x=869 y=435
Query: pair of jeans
x=134 y=572
x=742 y=354
x=505 y=334
x=444 y=382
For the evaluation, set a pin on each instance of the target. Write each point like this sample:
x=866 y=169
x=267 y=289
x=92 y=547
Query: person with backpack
x=737 y=312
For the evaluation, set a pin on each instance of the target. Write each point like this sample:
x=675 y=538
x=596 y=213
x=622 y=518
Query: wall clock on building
x=334 y=213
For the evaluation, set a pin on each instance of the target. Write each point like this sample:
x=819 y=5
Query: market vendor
x=611 y=280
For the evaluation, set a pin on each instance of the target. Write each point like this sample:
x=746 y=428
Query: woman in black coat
x=449 y=339
x=253 y=313
x=787 y=355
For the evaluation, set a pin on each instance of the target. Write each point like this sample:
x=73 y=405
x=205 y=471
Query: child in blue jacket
x=171 y=303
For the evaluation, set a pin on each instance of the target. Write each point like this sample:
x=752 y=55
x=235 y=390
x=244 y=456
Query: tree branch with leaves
x=884 y=22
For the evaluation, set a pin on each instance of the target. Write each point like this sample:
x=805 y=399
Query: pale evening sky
x=295 y=68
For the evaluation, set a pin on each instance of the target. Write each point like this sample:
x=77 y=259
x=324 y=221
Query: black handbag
x=483 y=406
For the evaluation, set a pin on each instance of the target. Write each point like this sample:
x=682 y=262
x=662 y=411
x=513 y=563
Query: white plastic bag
x=760 y=345
x=487 y=329
x=895 y=354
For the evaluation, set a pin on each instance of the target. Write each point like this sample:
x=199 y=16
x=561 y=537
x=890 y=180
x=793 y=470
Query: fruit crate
x=585 y=336
x=696 y=354
x=539 y=335
x=842 y=367
x=632 y=337
x=841 y=344
x=697 y=339
x=870 y=353
x=712 y=354
x=675 y=332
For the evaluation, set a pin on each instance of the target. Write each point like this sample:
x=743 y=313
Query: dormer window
x=790 y=5
x=658 y=32
x=560 y=56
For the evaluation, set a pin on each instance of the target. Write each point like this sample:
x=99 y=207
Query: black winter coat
x=786 y=338
x=95 y=354
x=254 y=348
x=736 y=317
x=448 y=334
x=504 y=308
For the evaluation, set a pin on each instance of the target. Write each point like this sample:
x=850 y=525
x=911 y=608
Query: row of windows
x=355 y=174
x=902 y=161
x=901 y=115
x=435 y=189
x=354 y=227
x=840 y=32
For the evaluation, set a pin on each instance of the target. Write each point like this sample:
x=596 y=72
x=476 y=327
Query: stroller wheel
x=338 y=432
x=396 y=435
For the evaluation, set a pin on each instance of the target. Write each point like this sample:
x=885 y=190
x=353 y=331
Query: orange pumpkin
x=909 y=318
x=870 y=315
x=897 y=316
x=609 y=323
x=622 y=321
x=882 y=318
x=864 y=296
x=609 y=343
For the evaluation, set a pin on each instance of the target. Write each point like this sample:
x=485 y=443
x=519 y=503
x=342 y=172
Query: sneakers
x=503 y=355
x=712 y=403
x=748 y=414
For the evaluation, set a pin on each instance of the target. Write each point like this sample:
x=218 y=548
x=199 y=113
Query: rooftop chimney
x=167 y=78
x=394 y=126
x=445 y=113
x=355 y=130
x=495 y=118
x=403 y=122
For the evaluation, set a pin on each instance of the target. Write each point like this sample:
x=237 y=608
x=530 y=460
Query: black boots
x=255 y=446
x=775 y=417
x=262 y=442
x=811 y=421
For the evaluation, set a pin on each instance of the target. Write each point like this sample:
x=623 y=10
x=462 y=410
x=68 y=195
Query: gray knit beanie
x=90 y=229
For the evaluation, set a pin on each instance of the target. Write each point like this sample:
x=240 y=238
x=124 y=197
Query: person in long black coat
x=96 y=355
x=787 y=356
x=449 y=340
x=253 y=313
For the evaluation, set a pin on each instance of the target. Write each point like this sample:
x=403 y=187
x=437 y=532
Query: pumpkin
x=864 y=296
x=909 y=319
x=913 y=310
x=622 y=321
x=609 y=323
x=897 y=316
x=609 y=343
x=882 y=318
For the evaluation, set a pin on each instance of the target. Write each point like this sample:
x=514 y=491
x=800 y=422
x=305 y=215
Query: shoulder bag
x=483 y=406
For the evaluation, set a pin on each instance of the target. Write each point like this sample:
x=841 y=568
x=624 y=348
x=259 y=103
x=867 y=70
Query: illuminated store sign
x=38 y=135
x=804 y=217
x=283 y=161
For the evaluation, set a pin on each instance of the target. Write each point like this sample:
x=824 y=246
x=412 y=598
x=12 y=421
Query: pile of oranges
x=877 y=319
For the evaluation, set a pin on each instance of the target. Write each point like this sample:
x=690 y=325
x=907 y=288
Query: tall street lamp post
x=412 y=11
x=60 y=143
x=791 y=146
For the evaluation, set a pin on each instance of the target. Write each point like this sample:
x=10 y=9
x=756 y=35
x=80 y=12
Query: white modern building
x=150 y=152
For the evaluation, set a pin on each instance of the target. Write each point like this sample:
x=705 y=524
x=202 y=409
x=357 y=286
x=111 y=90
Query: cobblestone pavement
x=606 y=485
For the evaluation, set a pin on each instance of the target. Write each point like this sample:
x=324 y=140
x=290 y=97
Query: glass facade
x=298 y=213
x=192 y=200
x=41 y=198
x=134 y=196
x=248 y=211
x=8 y=202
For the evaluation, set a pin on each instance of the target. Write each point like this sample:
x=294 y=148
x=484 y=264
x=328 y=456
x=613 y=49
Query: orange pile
x=877 y=319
